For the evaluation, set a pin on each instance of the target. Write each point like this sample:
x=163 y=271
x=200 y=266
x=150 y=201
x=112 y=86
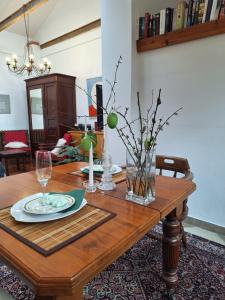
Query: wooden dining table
x=63 y=274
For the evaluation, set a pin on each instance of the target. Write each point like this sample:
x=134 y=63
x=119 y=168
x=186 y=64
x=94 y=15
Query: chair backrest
x=14 y=136
x=177 y=165
x=77 y=135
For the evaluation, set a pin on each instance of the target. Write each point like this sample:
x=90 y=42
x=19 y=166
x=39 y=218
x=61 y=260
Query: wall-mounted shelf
x=195 y=32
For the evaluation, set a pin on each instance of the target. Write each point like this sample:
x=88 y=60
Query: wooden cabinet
x=51 y=107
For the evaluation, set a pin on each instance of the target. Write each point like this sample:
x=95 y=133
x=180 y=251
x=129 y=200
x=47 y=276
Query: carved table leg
x=183 y=216
x=171 y=249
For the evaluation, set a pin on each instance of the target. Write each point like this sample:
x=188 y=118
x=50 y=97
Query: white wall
x=116 y=41
x=192 y=75
x=79 y=56
x=11 y=84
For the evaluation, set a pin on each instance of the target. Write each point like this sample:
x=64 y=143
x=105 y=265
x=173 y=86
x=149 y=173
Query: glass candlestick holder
x=107 y=183
x=90 y=188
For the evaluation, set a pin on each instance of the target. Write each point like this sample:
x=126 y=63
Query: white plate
x=20 y=215
x=36 y=206
x=98 y=168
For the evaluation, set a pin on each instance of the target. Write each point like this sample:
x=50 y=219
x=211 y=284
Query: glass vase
x=140 y=176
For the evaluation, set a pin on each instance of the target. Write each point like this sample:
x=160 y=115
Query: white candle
x=106 y=146
x=91 y=182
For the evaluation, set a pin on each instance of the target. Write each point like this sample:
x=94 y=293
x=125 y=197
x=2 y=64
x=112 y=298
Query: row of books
x=187 y=13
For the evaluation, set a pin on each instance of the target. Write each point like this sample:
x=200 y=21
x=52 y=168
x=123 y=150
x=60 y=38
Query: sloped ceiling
x=36 y=18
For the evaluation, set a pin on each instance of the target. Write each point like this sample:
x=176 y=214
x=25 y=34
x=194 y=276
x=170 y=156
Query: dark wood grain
x=195 y=32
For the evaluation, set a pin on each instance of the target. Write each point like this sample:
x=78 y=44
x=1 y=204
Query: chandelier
x=28 y=65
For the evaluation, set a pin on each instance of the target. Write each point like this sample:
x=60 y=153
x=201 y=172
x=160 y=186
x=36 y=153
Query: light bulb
x=41 y=66
x=45 y=60
x=8 y=59
x=31 y=57
x=14 y=57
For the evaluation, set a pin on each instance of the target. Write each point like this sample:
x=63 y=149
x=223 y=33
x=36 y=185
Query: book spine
x=168 y=20
x=157 y=24
x=151 y=25
x=154 y=26
x=196 y=12
x=162 y=21
x=189 y=15
x=201 y=10
x=171 y=18
x=185 y=17
x=180 y=14
x=146 y=30
x=209 y=9
x=174 y=19
x=214 y=5
x=141 y=27
x=222 y=11
x=215 y=10
x=205 y=10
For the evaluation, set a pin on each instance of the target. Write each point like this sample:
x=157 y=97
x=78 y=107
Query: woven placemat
x=117 y=178
x=48 y=237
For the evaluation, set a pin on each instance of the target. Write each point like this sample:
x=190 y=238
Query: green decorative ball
x=85 y=143
x=112 y=120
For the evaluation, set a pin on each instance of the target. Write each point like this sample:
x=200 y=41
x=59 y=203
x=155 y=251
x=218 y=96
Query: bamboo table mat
x=48 y=237
x=117 y=178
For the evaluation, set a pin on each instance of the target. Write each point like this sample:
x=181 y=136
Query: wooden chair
x=176 y=167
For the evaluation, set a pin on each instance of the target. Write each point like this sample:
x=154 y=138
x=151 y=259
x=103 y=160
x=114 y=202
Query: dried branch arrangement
x=144 y=140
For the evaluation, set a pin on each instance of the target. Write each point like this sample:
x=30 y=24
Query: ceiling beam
x=72 y=34
x=18 y=14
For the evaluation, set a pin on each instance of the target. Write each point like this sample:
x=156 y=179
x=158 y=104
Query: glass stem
x=44 y=191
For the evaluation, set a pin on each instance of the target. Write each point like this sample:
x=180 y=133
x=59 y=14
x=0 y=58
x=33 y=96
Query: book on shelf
x=201 y=11
x=180 y=14
x=205 y=11
x=186 y=14
x=174 y=19
x=222 y=11
x=215 y=10
x=169 y=19
x=146 y=29
x=141 y=27
x=195 y=12
x=157 y=24
x=162 y=29
x=189 y=13
x=208 y=11
x=151 y=26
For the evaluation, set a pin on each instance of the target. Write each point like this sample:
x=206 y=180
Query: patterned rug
x=135 y=275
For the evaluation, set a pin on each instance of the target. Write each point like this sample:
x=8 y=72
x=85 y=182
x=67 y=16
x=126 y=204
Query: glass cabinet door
x=36 y=107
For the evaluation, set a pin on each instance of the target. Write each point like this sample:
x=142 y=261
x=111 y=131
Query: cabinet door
x=50 y=113
x=66 y=103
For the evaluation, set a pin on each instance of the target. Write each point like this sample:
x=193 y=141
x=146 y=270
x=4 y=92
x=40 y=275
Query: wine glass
x=43 y=169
